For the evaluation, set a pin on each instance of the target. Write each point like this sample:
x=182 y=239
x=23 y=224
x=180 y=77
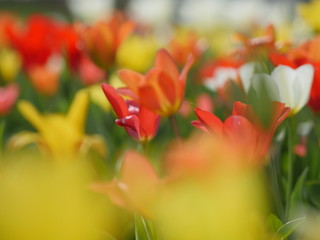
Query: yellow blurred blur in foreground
x=229 y=207
x=42 y=200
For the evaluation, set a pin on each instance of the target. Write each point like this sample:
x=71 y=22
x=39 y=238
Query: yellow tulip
x=62 y=136
x=10 y=64
x=310 y=13
x=137 y=53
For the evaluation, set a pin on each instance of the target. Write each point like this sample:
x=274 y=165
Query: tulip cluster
x=125 y=133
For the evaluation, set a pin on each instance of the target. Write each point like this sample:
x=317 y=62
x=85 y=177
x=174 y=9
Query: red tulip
x=161 y=89
x=243 y=128
x=140 y=123
x=37 y=41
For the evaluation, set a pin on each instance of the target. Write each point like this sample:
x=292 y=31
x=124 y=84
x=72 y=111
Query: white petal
x=284 y=77
x=246 y=72
x=305 y=75
x=263 y=82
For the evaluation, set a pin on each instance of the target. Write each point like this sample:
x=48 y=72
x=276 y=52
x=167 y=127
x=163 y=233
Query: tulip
x=141 y=51
x=306 y=53
x=253 y=48
x=285 y=84
x=243 y=128
x=102 y=40
x=140 y=123
x=37 y=41
x=162 y=88
x=8 y=97
x=184 y=43
x=62 y=136
x=10 y=64
x=309 y=12
x=137 y=188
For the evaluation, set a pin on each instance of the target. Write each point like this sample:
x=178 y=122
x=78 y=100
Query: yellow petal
x=94 y=142
x=30 y=113
x=78 y=110
x=22 y=139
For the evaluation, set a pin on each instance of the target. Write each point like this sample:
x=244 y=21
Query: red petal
x=149 y=123
x=240 y=131
x=117 y=102
x=199 y=125
x=132 y=125
x=209 y=120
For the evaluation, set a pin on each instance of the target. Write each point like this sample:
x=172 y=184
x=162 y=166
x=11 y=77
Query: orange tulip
x=162 y=88
x=102 y=40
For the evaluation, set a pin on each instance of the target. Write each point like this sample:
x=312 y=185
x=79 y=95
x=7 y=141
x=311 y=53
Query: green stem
x=2 y=127
x=174 y=125
x=290 y=163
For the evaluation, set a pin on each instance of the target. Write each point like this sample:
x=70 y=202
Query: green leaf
x=288 y=228
x=274 y=222
x=296 y=194
x=143 y=229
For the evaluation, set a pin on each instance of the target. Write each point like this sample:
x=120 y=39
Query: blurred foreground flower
x=8 y=97
x=243 y=128
x=50 y=201
x=137 y=187
x=140 y=123
x=61 y=136
x=162 y=88
x=209 y=190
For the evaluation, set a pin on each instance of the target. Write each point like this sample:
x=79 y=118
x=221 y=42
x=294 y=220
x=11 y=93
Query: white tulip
x=285 y=84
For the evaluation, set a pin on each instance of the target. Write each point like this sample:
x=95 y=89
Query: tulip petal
x=186 y=68
x=210 y=121
x=165 y=62
x=78 y=110
x=305 y=75
x=149 y=122
x=168 y=87
x=131 y=79
x=284 y=77
x=132 y=125
x=239 y=130
x=30 y=113
x=199 y=125
x=137 y=169
x=22 y=139
x=264 y=84
x=149 y=98
x=117 y=102
x=246 y=71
